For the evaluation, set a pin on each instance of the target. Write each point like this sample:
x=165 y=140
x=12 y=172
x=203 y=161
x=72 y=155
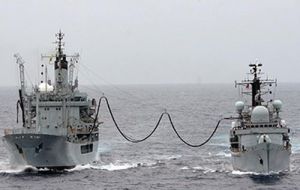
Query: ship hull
x=49 y=151
x=263 y=158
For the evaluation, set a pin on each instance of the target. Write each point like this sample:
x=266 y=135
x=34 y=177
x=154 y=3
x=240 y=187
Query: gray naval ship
x=259 y=137
x=58 y=129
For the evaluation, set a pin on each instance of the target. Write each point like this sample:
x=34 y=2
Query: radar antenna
x=255 y=69
x=256 y=85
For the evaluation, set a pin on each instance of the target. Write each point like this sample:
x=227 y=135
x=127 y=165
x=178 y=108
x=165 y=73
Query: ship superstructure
x=259 y=137
x=59 y=129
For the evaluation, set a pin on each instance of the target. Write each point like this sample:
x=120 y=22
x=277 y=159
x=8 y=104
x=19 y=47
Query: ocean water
x=161 y=162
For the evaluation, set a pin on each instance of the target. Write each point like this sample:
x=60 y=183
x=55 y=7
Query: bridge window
x=86 y=148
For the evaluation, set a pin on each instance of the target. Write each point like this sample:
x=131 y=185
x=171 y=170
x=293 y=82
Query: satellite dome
x=260 y=114
x=277 y=104
x=239 y=106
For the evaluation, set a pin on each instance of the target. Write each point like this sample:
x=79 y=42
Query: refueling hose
x=130 y=139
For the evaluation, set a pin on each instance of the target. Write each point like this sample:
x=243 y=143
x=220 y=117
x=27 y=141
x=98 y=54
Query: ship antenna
x=256 y=82
x=255 y=69
x=60 y=36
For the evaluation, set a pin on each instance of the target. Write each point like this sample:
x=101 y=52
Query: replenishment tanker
x=259 y=138
x=58 y=129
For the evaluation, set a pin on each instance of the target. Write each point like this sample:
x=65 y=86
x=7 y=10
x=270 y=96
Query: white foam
x=224 y=154
x=5 y=167
x=113 y=167
x=205 y=170
x=81 y=167
x=167 y=157
x=185 y=168
x=237 y=172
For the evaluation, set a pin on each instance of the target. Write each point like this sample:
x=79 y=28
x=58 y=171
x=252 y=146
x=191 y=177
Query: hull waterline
x=264 y=158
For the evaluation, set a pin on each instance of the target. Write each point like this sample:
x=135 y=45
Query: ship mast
x=60 y=66
x=255 y=83
x=59 y=36
x=62 y=69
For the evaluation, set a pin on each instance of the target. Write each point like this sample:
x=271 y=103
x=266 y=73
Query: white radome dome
x=44 y=87
x=277 y=104
x=239 y=106
x=260 y=114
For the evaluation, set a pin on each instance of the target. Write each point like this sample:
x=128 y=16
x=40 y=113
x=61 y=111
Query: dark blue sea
x=163 y=161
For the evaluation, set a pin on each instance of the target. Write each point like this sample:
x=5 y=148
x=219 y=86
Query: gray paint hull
x=262 y=158
x=47 y=151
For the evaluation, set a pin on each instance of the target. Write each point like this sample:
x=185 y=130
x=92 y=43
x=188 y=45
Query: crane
x=74 y=59
x=20 y=62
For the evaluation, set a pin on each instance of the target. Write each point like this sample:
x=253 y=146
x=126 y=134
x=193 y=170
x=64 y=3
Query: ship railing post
x=38 y=112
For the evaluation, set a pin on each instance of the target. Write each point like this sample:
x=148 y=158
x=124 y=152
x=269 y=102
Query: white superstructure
x=59 y=127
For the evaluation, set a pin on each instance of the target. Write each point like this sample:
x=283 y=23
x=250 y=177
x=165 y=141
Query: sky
x=153 y=41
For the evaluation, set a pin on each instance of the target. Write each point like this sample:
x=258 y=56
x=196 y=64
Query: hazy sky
x=154 y=41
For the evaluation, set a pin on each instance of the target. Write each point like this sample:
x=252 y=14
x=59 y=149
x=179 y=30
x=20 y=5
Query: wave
x=113 y=166
x=109 y=167
x=167 y=157
x=185 y=168
x=123 y=165
x=6 y=168
x=205 y=170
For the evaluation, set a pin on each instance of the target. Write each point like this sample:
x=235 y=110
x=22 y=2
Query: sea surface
x=163 y=161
